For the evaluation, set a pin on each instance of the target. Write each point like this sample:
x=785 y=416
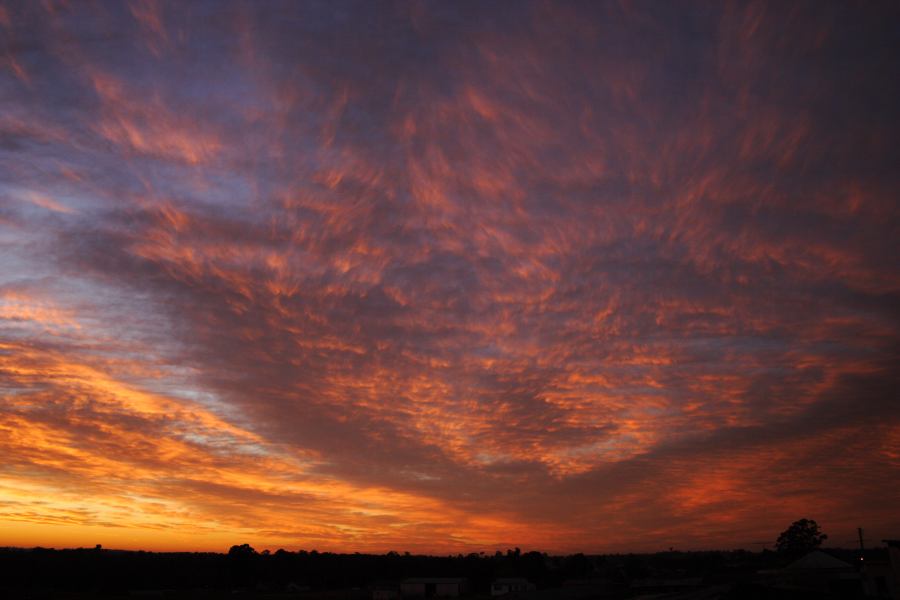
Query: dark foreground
x=244 y=573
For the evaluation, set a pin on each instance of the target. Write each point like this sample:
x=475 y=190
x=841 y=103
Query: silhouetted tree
x=801 y=537
x=242 y=550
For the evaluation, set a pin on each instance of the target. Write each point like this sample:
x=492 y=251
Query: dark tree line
x=98 y=570
x=110 y=571
x=243 y=567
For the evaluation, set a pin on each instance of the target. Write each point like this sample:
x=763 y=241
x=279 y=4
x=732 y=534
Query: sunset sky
x=448 y=276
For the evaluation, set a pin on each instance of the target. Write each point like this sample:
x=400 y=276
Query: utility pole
x=862 y=547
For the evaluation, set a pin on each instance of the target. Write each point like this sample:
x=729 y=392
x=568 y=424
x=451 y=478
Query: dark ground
x=244 y=573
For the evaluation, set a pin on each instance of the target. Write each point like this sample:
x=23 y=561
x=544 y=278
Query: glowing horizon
x=447 y=277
